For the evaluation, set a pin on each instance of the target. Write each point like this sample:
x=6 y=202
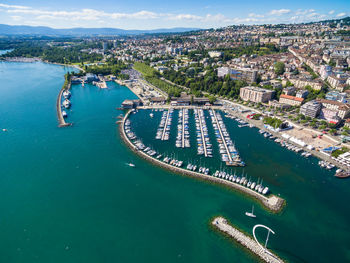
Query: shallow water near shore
x=68 y=195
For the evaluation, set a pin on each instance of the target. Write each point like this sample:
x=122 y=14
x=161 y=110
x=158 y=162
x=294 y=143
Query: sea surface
x=67 y=194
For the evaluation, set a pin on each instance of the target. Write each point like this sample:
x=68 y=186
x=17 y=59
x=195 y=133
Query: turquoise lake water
x=68 y=195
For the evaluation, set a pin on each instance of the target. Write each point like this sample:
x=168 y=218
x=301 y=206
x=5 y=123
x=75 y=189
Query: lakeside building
x=291 y=100
x=311 y=109
x=277 y=105
x=256 y=94
x=131 y=104
x=158 y=100
x=330 y=115
x=342 y=109
x=89 y=77
x=185 y=100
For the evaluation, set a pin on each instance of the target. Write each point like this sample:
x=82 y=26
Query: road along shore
x=222 y=225
x=271 y=202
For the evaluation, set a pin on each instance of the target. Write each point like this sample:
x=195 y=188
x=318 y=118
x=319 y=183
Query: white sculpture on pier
x=267 y=238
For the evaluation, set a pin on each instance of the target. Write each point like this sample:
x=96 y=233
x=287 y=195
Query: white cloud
x=304 y=12
x=255 y=15
x=14 y=6
x=279 y=12
x=341 y=14
x=16 y=18
x=86 y=17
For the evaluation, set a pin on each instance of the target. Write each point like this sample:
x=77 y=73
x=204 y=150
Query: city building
x=89 y=77
x=223 y=71
x=130 y=104
x=336 y=96
x=244 y=74
x=104 y=46
x=290 y=100
x=275 y=104
x=215 y=54
x=311 y=108
x=342 y=109
x=329 y=115
x=302 y=93
x=256 y=94
x=289 y=90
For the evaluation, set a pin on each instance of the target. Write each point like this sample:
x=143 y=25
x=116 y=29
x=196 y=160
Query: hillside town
x=298 y=73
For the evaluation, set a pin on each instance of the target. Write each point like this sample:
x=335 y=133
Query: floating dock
x=202 y=133
x=165 y=125
x=246 y=241
x=222 y=138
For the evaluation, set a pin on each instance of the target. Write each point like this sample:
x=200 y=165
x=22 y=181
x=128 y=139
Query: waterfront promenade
x=222 y=225
x=271 y=202
x=294 y=132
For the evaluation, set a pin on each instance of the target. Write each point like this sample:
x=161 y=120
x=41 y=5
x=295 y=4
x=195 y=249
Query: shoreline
x=221 y=225
x=260 y=125
x=32 y=60
x=272 y=203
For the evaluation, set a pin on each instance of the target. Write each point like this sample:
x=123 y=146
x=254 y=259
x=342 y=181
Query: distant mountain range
x=79 y=31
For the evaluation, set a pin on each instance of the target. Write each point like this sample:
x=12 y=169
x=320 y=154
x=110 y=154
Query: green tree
x=279 y=68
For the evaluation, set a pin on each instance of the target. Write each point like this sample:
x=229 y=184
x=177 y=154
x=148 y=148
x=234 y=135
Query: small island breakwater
x=222 y=225
x=271 y=202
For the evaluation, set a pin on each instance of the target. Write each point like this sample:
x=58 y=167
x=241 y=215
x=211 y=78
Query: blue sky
x=151 y=14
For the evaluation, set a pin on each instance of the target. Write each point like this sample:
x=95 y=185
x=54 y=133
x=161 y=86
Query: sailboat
x=250 y=214
x=131 y=164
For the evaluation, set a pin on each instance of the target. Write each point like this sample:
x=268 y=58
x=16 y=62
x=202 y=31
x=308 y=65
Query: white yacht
x=64 y=114
x=66 y=103
x=66 y=94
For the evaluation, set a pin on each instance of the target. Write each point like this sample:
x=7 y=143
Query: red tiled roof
x=291 y=97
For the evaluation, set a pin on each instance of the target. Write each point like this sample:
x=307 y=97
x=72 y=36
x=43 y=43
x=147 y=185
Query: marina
x=182 y=205
x=262 y=194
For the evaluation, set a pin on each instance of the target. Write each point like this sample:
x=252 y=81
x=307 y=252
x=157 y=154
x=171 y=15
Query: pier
x=223 y=139
x=271 y=202
x=202 y=133
x=61 y=120
x=165 y=125
x=221 y=224
x=183 y=129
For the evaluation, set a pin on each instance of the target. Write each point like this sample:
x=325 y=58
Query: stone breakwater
x=61 y=120
x=271 y=202
x=221 y=224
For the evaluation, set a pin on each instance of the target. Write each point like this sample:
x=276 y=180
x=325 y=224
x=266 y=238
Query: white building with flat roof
x=256 y=94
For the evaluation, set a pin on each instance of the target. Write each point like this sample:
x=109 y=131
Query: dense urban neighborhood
x=297 y=73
